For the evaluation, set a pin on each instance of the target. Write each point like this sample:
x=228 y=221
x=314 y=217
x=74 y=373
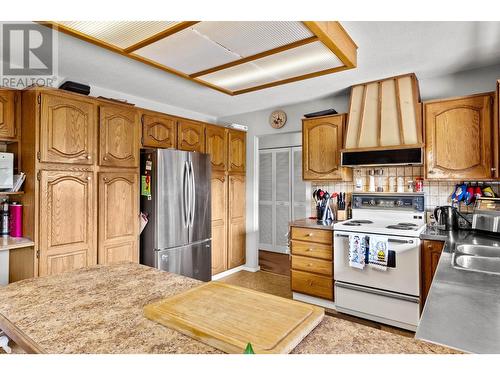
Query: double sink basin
x=478 y=258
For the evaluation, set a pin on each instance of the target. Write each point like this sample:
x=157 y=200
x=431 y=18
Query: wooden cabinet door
x=67 y=129
x=159 y=131
x=118 y=217
x=190 y=135
x=431 y=252
x=458 y=135
x=322 y=140
x=118 y=136
x=219 y=222
x=66 y=221
x=216 y=146
x=7 y=114
x=237 y=222
x=237 y=151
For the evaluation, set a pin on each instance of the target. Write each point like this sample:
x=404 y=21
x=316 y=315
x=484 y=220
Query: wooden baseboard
x=274 y=262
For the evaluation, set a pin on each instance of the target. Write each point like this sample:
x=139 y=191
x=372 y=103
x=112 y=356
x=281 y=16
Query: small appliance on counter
x=447 y=217
x=486 y=215
x=6 y=170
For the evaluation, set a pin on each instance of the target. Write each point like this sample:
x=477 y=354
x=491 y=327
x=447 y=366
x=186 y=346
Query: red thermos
x=16 y=220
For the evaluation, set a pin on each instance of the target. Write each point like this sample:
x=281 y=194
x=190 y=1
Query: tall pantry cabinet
x=80 y=156
x=227 y=154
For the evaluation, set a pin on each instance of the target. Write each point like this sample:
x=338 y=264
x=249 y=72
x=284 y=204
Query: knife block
x=341 y=215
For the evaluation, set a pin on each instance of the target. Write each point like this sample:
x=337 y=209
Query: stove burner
x=407 y=224
x=357 y=223
x=400 y=227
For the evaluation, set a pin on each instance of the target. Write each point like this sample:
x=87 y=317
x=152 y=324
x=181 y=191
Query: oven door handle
x=393 y=240
x=378 y=292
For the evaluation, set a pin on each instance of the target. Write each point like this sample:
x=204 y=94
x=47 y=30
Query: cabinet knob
x=89 y=178
x=493 y=169
x=89 y=157
x=310 y=249
x=105 y=158
x=309 y=264
x=310 y=283
x=105 y=179
x=431 y=172
x=309 y=235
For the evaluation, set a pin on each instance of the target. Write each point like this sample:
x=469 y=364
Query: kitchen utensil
x=446 y=216
x=469 y=195
x=459 y=193
x=488 y=192
x=236 y=317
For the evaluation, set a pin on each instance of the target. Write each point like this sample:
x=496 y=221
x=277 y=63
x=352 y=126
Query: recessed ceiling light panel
x=121 y=34
x=310 y=58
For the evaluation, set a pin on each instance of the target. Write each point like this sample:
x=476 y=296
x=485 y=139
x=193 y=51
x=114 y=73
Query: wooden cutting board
x=229 y=317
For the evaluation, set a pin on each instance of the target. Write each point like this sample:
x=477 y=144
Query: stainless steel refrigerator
x=177 y=237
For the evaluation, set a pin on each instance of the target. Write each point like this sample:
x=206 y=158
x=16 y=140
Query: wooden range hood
x=385 y=123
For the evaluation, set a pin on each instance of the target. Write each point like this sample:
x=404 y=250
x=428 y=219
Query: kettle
x=446 y=216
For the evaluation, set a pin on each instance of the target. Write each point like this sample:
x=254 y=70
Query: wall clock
x=277 y=119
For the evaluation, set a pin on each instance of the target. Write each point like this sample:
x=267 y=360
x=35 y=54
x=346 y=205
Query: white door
x=282 y=196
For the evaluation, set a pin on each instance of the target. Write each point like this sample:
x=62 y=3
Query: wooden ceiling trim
x=257 y=56
x=110 y=47
x=334 y=36
x=330 y=33
x=161 y=35
x=291 y=79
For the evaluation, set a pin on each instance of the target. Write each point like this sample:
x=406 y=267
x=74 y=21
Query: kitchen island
x=100 y=310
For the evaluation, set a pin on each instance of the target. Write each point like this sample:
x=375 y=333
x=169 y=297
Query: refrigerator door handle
x=193 y=194
x=185 y=189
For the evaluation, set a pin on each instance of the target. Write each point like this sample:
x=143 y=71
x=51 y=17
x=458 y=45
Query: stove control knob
x=372 y=202
x=399 y=203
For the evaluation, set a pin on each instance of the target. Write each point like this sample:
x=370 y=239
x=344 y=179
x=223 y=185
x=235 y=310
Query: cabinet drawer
x=314 y=285
x=312 y=235
x=311 y=249
x=323 y=267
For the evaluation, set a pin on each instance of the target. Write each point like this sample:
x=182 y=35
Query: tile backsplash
x=437 y=193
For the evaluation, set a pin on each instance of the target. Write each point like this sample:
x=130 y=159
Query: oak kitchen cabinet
x=190 y=135
x=74 y=218
x=311 y=262
x=236 y=151
x=8 y=120
x=226 y=148
x=118 y=208
x=219 y=222
x=67 y=221
x=430 y=254
x=216 y=139
x=236 y=221
x=118 y=136
x=159 y=130
x=67 y=129
x=459 y=137
x=322 y=140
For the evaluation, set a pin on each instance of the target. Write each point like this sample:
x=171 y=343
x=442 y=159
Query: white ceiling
x=385 y=48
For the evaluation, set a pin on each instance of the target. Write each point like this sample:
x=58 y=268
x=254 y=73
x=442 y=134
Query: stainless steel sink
x=477 y=263
x=479 y=250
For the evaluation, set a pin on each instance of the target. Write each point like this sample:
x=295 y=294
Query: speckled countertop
x=312 y=223
x=99 y=310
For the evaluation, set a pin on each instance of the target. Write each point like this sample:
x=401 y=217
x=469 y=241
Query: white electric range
x=390 y=296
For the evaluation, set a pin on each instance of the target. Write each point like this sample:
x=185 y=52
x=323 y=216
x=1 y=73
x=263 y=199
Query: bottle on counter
x=4 y=231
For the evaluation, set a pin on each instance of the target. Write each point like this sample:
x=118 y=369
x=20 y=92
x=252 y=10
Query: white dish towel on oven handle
x=378 y=252
x=357 y=251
